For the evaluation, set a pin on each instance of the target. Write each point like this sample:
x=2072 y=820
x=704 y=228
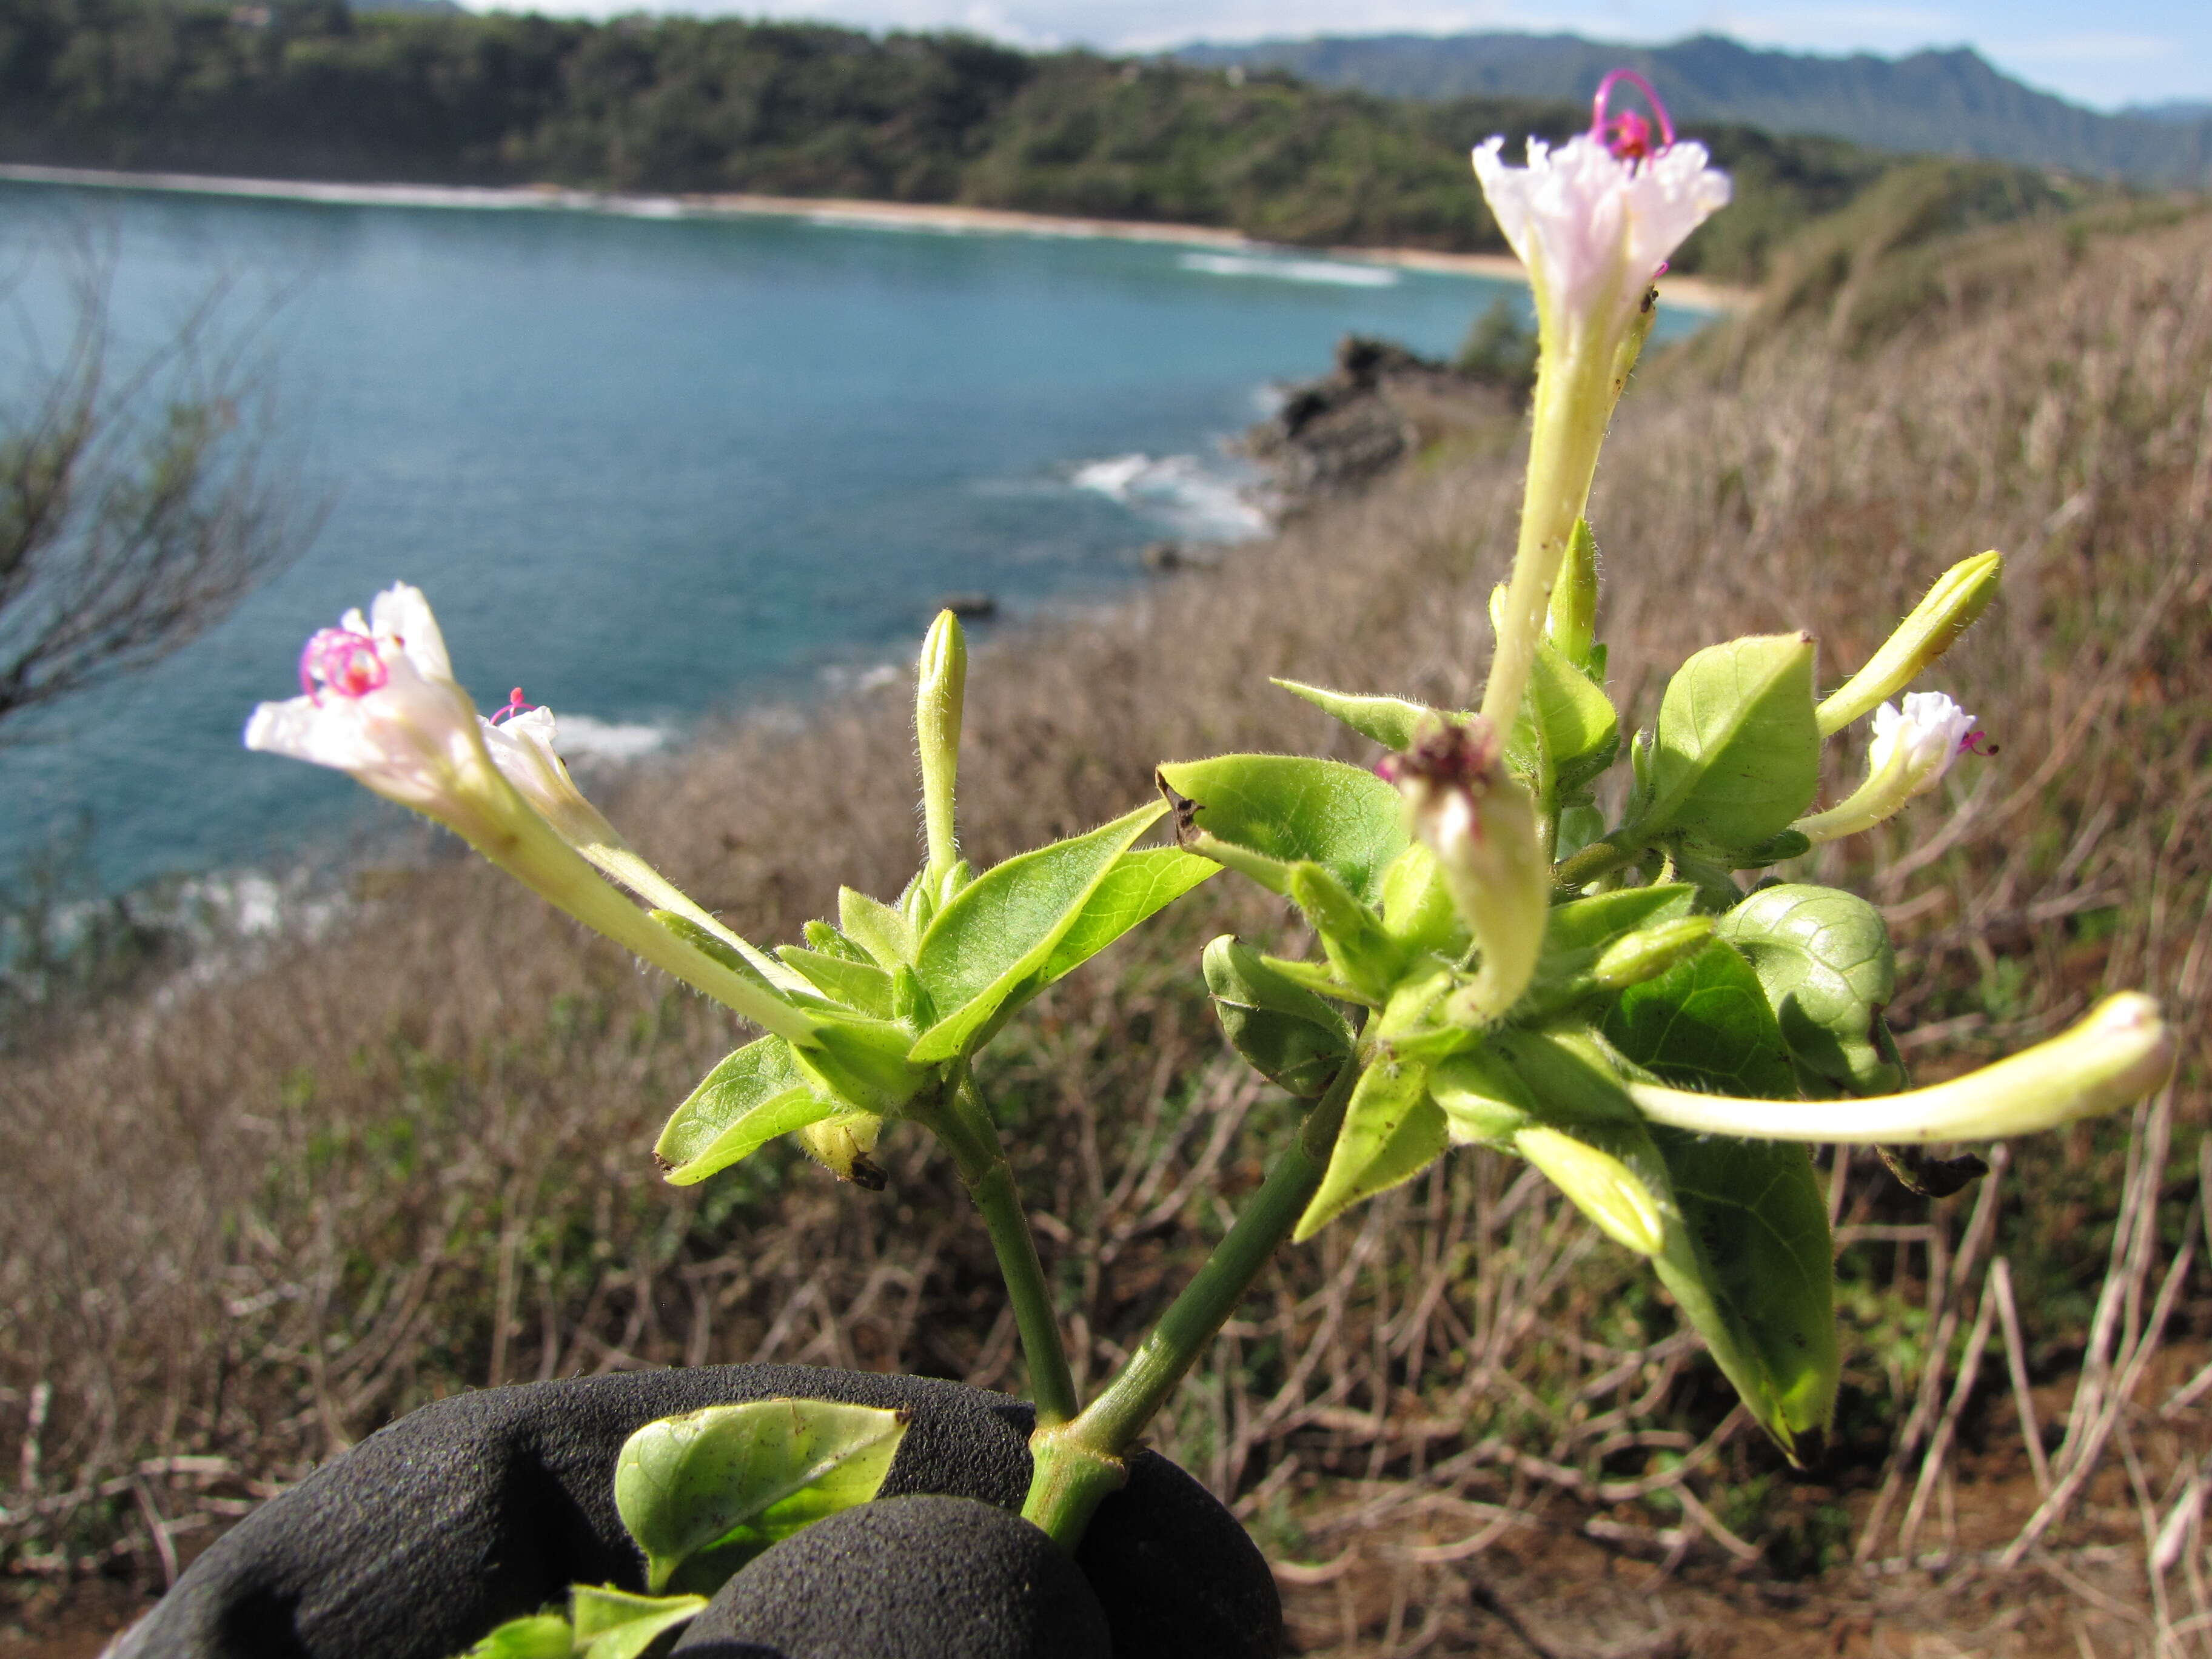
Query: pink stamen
x=346 y=663
x=1628 y=135
x=515 y=706
x=1976 y=742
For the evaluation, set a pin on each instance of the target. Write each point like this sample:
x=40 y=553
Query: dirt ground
x=1536 y=1583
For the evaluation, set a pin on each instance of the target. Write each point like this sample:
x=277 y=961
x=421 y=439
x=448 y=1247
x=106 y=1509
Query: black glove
x=488 y=1506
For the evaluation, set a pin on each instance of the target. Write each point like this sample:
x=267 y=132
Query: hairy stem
x=1077 y=1464
x=964 y=1125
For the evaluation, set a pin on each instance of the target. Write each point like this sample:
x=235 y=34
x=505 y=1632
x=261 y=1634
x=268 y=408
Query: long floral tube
x=2120 y=1052
x=378 y=701
x=522 y=744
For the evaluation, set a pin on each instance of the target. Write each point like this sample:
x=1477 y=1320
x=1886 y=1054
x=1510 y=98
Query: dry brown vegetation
x=242 y=1226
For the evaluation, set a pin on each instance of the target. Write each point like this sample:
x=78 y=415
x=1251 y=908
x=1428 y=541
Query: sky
x=2123 y=52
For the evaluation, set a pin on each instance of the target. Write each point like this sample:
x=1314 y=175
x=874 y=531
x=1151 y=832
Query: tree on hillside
x=137 y=505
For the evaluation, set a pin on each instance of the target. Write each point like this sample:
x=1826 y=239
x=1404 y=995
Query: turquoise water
x=651 y=470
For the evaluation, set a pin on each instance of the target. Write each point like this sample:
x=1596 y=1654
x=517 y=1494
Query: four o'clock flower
x=378 y=699
x=1911 y=752
x=1594 y=221
x=520 y=739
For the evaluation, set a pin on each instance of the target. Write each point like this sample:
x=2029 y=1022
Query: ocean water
x=652 y=468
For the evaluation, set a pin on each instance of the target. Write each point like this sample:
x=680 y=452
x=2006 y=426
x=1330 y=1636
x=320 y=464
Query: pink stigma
x=1976 y=742
x=1628 y=135
x=346 y=663
x=515 y=706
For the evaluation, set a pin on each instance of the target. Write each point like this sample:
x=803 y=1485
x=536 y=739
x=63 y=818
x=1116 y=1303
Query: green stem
x=1076 y=1465
x=964 y=1126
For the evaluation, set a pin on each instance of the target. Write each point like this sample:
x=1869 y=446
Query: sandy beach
x=1691 y=292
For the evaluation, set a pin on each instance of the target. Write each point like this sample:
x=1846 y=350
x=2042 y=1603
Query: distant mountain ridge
x=1950 y=102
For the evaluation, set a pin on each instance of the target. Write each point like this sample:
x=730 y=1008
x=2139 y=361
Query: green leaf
x=1705 y=1024
x=882 y=929
x=1390 y=721
x=993 y=943
x=1284 y=1031
x=1759 y=1285
x=858 y=985
x=1287 y=808
x=1392 y=1132
x=1743 y=1242
x=1824 y=958
x=711 y=1489
x=1140 y=885
x=613 y=1624
x=1738 y=757
x=542 y=1636
x=751 y=1097
x=1568 y=728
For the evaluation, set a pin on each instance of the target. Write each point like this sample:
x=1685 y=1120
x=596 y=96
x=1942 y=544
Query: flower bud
x=1478 y=819
x=1571 y=624
x=940 y=693
x=841 y=1144
x=1650 y=952
x=2119 y=1053
x=1909 y=754
x=1953 y=605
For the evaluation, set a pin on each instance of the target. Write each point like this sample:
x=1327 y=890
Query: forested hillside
x=1948 y=103
x=679 y=104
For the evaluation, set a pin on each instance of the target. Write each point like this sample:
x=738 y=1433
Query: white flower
x=520 y=741
x=521 y=746
x=1593 y=229
x=379 y=700
x=1920 y=743
x=1909 y=754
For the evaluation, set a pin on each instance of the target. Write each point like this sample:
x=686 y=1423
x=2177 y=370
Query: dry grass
x=242 y=1226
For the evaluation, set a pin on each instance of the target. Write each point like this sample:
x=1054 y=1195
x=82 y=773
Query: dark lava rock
x=488 y=1506
x=1380 y=405
x=907 y=1578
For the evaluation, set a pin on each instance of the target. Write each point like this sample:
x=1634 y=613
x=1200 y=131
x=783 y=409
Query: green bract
x=705 y=1493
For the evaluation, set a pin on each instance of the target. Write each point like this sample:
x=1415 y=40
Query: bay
x=651 y=470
